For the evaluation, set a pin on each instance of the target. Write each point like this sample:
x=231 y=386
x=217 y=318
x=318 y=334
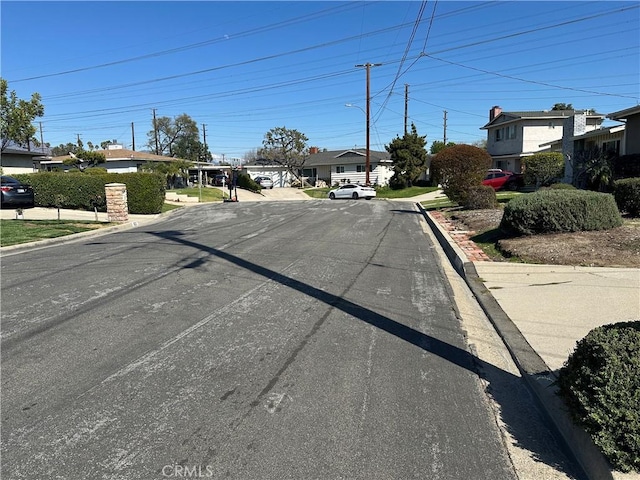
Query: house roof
x=120 y=154
x=590 y=134
x=15 y=149
x=346 y=157
x=507 y=117
x=624 y=114
x=334 y=157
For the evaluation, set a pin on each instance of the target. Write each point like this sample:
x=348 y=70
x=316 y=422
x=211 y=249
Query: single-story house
x=16 y=159
x=328 y=167
x=266 y=168
x=118 y=160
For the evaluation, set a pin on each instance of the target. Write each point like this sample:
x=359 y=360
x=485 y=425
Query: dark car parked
x=16 y=194
x=221 y=180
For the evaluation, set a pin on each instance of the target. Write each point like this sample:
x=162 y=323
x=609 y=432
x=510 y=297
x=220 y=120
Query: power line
x=535 y=82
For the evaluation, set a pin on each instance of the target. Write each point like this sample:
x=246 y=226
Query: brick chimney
x=313 y=150
x=494 y=112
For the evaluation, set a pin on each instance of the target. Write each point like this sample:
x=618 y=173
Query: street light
x=367 y=158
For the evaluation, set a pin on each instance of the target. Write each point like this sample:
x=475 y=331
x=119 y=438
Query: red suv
x=503 y=179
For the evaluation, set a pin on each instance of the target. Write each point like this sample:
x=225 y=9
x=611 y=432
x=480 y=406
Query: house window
x=339 y=168
x=498 y=134
x=611 y=147
x=511 y=132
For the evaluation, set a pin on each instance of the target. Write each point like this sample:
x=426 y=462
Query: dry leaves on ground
x=618 y=247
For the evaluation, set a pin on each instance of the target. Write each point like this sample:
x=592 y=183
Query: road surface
x=270 y=340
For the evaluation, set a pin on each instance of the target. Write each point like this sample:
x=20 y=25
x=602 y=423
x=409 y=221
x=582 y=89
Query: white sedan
x=352 y=191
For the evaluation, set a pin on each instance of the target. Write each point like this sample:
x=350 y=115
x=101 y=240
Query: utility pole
x=445 y=127
x=368 y=113
x=41 y=138
x=406 y=106
x=133 y=138
x=204 y=135
x=155 y=130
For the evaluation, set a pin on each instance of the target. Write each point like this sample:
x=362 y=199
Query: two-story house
x=511 y=136
x=631 y=138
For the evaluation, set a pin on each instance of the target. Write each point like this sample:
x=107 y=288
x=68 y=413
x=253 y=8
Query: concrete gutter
x=537 y=376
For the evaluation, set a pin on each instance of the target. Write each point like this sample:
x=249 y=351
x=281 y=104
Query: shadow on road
x=503 y=382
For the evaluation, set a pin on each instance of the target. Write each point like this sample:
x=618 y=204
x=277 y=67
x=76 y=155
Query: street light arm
x=351 y=105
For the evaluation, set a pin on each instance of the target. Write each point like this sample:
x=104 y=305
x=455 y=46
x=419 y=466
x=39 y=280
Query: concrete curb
x=538 y=378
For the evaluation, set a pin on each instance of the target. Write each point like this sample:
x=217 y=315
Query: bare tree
x=287 y=148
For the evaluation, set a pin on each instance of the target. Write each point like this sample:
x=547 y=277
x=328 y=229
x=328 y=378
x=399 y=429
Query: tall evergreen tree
x=409 y=158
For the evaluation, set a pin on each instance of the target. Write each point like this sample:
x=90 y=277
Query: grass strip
x=15 y=232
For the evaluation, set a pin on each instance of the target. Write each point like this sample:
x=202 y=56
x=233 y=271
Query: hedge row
x=549 y=211
x=600 y=383
x=80 y=191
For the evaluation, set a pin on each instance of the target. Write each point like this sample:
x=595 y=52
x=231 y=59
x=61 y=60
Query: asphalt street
x=252 y=341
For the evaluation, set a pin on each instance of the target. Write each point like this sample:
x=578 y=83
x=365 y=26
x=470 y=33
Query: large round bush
x=458 y=168
x=600 y=383
x=551 y=211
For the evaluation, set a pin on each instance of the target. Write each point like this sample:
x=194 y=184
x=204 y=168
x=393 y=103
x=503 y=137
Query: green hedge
x=600 y=383
x=549 y=211
x=627 y=195
x=81 y=191
x=246 y=182
x=559 y=186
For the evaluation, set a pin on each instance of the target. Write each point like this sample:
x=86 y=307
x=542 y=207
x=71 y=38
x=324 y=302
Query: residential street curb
x=538 y=378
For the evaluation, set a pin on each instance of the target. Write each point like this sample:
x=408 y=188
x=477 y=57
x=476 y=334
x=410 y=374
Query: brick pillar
x=117 y=207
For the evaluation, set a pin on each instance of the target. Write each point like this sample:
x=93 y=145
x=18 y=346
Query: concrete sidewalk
x=40 y=213
x=554 y=306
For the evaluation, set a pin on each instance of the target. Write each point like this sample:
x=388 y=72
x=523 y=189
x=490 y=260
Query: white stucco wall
x=542 y=131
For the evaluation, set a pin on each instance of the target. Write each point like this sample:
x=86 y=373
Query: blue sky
x=243 y=68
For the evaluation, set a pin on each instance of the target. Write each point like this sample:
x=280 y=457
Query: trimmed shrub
x=398 y=183
x=246 y=182
x=561 y=186
x=80 y=191
x=145 y=191
x=542 y=169
x=600 y=383
x=458 y=168
x=549 y=211
x=479 y=197
x=627 y=195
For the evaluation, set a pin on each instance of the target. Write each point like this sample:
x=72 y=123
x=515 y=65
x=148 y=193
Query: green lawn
x=14 y=232
x=166 y=207
x=208 y=194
